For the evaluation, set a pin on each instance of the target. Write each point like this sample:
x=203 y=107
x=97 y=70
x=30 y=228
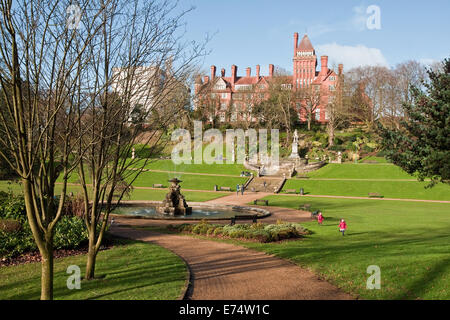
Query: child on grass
x=320 y=218
x=342 y=226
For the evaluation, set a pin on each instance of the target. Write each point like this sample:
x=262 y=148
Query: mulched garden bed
x=35 y=256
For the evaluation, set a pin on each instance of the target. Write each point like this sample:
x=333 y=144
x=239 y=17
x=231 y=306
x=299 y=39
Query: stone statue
x=174 y=204
x=294 y=153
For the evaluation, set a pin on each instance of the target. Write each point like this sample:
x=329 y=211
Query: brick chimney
x=213 y=73
x=341 y=69
x=233 y=73
x=271 y=68
x=222 y=72
x=324 y=65
x=205 y=79
x=257 y=71
x=295 y=43
x=248 y=72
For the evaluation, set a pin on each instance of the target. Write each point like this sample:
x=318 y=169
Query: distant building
x=138 y=85
x=231 y=98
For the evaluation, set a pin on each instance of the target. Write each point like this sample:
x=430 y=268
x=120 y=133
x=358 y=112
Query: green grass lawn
x=374 y=159
x=134 y=271
x=410 y=242
x=360 y=171
x=194 y=182
x=137 y=194
x=389 y=189
x=168 y=165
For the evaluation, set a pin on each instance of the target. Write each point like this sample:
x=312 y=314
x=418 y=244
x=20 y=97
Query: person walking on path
x=342 y=226
x=265 y=189
x=320 y=218
x=237 y=189
x=242 y=189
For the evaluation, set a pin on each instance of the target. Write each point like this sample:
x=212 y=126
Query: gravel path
x=222 y=271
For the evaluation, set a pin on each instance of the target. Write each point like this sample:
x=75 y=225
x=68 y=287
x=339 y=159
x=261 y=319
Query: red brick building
x=231 y=98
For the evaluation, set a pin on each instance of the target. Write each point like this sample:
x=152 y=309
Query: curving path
x=222 y=271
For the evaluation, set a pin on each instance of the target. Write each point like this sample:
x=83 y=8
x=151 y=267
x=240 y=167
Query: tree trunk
x=90 y=265
x=330 y=136
x=91 y=256
x=47 y=273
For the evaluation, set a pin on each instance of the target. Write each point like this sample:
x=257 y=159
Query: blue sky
x=250 y=32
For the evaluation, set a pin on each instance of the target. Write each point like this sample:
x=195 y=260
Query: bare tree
x=338 y=108
x=310 y=98
x=42 y=60
x=138 y=59
x=276 y=108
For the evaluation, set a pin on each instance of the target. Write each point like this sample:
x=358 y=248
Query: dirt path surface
x=222 y=271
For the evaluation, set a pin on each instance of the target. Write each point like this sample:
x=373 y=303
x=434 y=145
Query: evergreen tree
x=422 y=144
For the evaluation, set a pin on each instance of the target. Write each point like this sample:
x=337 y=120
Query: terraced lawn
x=361 y=171
x=389 y=189
x=137 y=194
x=194 y=182
x=168 y=165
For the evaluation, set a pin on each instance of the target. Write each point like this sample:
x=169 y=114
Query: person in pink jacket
x=320 y=218
x=342 y=226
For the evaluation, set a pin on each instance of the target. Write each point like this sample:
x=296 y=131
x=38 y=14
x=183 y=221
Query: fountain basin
x=200 y=211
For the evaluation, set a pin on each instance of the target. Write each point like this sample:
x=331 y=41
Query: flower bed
x=257 y=232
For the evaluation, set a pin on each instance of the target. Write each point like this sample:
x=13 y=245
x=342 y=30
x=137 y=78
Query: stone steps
x=257 y=184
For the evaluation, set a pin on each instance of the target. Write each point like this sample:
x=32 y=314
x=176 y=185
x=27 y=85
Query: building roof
x=305 y=44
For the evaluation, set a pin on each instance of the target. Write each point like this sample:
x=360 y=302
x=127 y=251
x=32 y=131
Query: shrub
x=257 y=231
x=15 y=243
x=13 y=207
x=70 y=233
x=200 y=228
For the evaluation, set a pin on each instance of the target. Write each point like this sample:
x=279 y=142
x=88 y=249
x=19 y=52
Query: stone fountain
x=174 y=204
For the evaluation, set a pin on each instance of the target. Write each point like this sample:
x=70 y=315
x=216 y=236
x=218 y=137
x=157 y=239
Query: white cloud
x=352 y=56
x=359 y=18
x=428 y=62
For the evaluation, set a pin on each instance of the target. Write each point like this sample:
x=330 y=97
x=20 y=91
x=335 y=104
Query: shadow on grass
x=123 y=271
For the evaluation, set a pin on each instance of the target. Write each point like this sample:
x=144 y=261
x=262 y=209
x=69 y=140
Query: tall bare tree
x=310 y=98
x=138 y=59
x=277 y=107
x=338 y=108
x=42 y=59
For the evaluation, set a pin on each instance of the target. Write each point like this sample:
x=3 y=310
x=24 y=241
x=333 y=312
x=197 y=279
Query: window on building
x=222 y=117
x=332 y=88
x=223 y=106
x=219 y=87
x=213 y=95
x=317 y=114
x=234 y=116
x=243 y=87
x=332 y=78
x=237 y=96
x=224 y=95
